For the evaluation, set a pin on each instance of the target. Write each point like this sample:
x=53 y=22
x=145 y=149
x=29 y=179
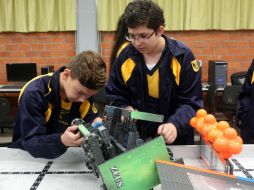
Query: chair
x=6 y=120
x=225 y=108
x=211 y=95
x=230 y=98
x=238 y=78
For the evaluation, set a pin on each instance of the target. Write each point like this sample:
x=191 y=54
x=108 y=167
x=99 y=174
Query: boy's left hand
x=168 y=131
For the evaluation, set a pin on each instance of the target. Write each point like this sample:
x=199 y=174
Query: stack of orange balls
x=223 y=138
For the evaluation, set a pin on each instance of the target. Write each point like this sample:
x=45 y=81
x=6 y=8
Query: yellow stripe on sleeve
x=252 y=79
x=127 y=69
x=176 y=67
x=121 y=48
x=24 y=87
x=48 y=112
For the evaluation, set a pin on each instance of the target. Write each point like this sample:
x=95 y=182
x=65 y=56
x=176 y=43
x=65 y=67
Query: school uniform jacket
x=42 y=117
x=246 y=108
x=172 y=88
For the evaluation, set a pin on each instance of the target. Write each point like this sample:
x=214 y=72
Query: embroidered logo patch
x=195 y=65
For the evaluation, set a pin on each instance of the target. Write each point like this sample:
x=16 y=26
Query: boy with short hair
x=48 y=104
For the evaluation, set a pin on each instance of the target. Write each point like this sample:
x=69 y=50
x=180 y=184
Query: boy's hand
x=168 y=131
x=70 y=138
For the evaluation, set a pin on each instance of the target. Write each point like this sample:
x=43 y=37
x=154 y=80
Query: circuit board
x=135 y=169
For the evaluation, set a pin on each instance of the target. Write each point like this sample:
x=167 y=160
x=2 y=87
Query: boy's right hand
x=70 y=138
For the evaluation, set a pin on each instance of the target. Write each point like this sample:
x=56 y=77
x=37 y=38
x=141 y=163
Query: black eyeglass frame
x=142 y=37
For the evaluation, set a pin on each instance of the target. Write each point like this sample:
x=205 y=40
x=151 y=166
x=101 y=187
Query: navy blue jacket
x=246 y=108
x=42 y=117
x=175 y=92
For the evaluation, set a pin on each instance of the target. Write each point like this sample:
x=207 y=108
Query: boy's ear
x=66 y=73
x=161 y=30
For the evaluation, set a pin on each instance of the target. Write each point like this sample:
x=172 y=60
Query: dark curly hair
x=144 y=12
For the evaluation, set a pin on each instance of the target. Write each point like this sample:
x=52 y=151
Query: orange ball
x=199 y=124
x=209 y=119
x=235 y=147
x=222 y=125
x=206 y=129
x=201 y=113
x=230 y=133
x=213 y=134
x=220 y=144
x=225 y=155
x=193 y=122
x=239 y=139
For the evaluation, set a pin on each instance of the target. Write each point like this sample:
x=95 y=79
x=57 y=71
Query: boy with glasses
x=156 y=74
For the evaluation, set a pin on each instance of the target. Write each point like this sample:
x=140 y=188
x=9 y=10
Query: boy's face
x=74 y=91
x=144 y=39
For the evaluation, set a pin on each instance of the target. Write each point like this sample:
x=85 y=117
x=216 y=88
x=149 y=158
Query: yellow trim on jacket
x=121 y=48
x=24 y=87
x=127 y=69
x=252 y=79
x=153 y=84
x=176 y=68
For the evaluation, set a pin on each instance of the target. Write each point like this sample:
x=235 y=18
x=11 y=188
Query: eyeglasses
x=140 y=38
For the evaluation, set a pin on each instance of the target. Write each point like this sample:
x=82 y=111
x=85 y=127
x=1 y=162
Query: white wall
x=87 y=35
